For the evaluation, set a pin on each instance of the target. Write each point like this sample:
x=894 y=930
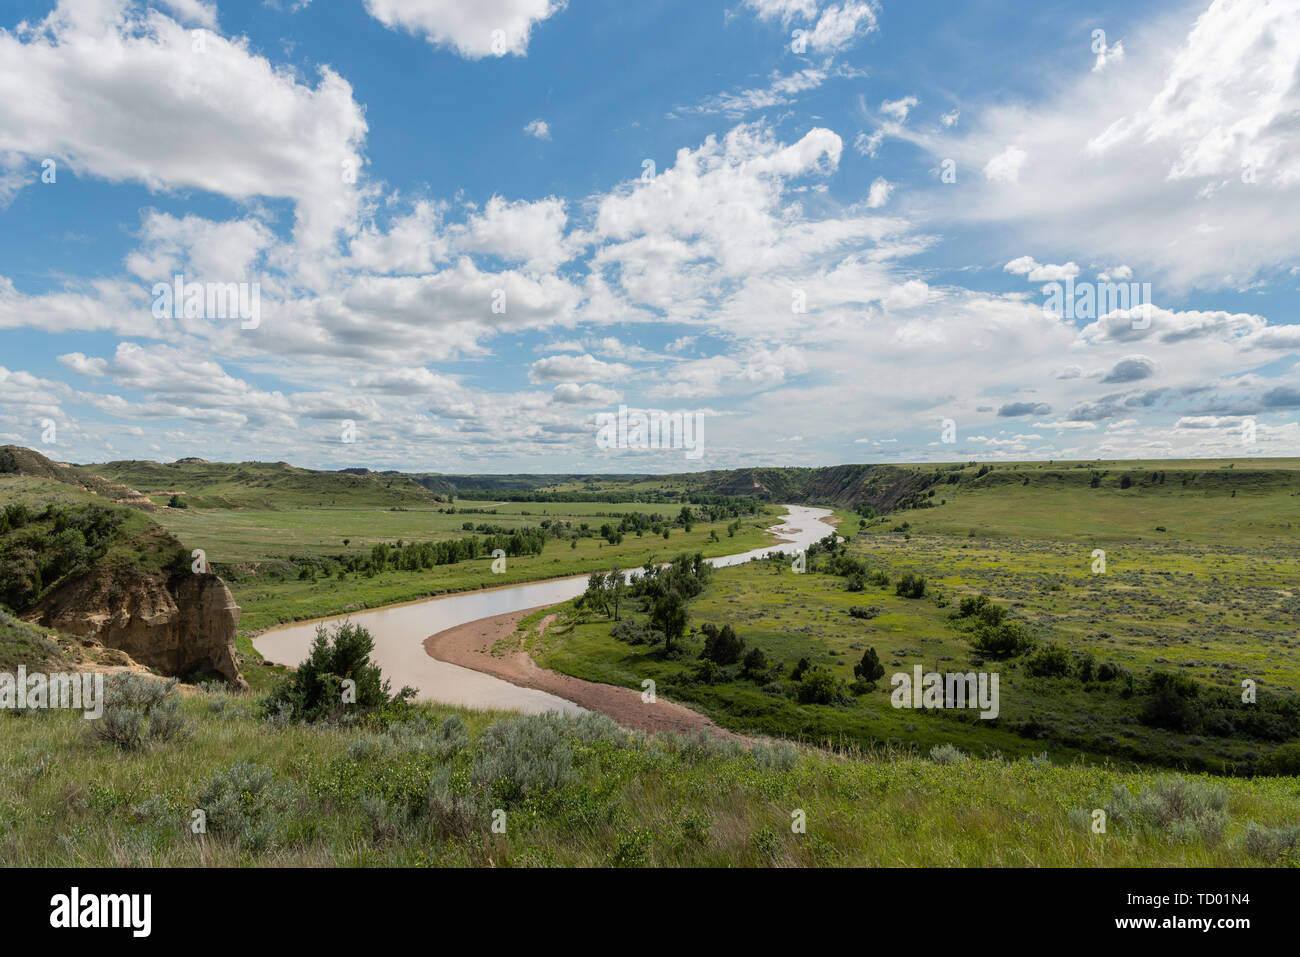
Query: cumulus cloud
x=121 y=93
x=1175 y=164
x=1036 y=272
x=783 y=10
x=585 y=367
x=841 y=24
x=879 y=193
x=473 y=29
x=1005 y=166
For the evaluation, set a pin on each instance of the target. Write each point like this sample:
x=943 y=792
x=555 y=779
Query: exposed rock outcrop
x=180 y=627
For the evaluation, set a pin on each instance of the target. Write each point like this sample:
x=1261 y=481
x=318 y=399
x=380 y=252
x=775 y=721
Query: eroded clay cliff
x=179 y=626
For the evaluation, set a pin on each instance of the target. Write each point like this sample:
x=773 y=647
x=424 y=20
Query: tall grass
x=448 y=787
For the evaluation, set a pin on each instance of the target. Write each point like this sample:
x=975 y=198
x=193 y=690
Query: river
x=400 y=630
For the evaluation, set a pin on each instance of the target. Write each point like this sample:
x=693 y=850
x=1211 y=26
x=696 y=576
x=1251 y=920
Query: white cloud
x=539 y=129
x=1041 y=272
x=570 y=368
x=1176 y=164
x=899 y=108
x=840 y=24
x=869 y=145
x=879 y=193
x=531 y=233
x=784 y=10
x=120 y=94
x=79 y=363
x=1005 y=166
x=203 y=14
x=570 y=393
x=780 y=91
x=468 y=26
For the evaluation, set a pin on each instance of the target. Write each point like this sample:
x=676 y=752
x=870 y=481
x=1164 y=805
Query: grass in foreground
x=585 y=792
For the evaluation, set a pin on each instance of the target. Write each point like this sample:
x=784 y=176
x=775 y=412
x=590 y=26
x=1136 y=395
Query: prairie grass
x=585 y=792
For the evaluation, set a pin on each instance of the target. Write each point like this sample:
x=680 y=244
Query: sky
x=462 y=231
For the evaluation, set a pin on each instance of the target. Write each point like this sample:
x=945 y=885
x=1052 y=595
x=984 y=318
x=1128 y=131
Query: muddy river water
x=400 y=630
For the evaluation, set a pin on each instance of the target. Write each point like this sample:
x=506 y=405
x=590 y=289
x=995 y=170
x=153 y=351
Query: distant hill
x=16 y=460
x=201 y=484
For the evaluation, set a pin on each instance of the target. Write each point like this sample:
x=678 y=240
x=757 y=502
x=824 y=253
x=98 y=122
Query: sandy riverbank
x=470 y=646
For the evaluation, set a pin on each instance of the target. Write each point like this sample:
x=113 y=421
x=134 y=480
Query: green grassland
x=1202 y=579
x=270 y=593
x=414 y=796
x=256 y=535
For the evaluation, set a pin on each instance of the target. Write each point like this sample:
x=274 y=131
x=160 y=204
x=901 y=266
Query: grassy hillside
x=583 y=792
x=262 y=485
x=52 y=534
x=24 y=644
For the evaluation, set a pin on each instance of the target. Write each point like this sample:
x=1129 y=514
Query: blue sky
x=914 y=174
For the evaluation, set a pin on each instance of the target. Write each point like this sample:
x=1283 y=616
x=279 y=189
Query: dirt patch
x=470 y=646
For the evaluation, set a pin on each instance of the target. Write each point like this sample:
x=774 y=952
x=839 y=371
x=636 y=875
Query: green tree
x=615 y=588
x=869 y=669
x=315 y=691
x=668 y=615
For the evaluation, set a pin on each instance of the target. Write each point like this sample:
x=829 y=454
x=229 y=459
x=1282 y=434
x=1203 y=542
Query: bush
x=946 y=754
x=451 y=812
x=1049 y=661
x=1179 y=808
x=140 y=712
x=721 y=645
x=416 y=737
x=1282 y=760
x=709 y=673
x=636 y=633
x=775 y=755
x=818 y=686
x=910 y=586
x=864 y=611
x=801 y=666
x=522 y=756
x=1109 y=671
x=1001 y=641
x=754 y=666
x=1086 y=666
x=314 y=692
x=1169 y=703
x=1272 y=845
x=246 y=804
x=982 y=609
